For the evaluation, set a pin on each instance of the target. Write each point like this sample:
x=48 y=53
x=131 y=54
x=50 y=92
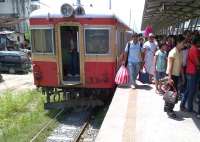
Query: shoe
x=172 y=114
x=165 y=108
x=133 y=86
x=69 y=75
x=198 y=116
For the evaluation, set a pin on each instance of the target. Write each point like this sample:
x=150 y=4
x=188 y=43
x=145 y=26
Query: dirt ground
x=17 y=82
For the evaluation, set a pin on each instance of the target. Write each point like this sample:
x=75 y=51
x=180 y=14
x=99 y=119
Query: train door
x=70 y=54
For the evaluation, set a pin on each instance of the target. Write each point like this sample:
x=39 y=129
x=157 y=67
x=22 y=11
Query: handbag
x=122 y=76
x=143 y=76
x=170 y=95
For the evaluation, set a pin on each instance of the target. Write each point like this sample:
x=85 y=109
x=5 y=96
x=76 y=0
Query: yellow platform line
x=130 y=121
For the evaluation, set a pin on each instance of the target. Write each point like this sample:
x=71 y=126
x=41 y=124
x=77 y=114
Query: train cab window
x=97 y=41
x=42 y=40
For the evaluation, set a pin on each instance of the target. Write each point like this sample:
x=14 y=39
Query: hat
x=151 y=35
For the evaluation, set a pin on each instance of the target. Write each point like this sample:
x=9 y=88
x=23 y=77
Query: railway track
x=74 y=126
x=71 y=127
x=92 y=129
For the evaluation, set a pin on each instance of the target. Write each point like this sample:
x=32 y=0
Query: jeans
x=134 y=69
x=74 y=63
x=198 y=83
x=190 y=91
x=175 y=80
x=198 y=105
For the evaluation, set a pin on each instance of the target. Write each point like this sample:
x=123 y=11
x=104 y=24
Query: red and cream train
x=85 y=38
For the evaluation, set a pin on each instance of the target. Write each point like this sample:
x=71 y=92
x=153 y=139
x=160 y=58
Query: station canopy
x=164 y=13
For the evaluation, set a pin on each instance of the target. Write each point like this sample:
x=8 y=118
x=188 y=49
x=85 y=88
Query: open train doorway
x=70 y=53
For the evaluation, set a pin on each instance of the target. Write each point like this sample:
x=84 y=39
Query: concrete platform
x=138 y=116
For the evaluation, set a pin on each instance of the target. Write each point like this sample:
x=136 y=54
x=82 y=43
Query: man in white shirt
x=150 y=48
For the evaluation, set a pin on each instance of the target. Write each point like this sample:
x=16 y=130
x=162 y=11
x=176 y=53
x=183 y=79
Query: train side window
x=97 y=41
x=42 y=40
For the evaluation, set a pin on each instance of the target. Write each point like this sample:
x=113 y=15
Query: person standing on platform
x=198 y=92
x=191 y=72
x=160 y=66
x=133 y=51
x=150 y=48
x=174 y=70
x=73 y=55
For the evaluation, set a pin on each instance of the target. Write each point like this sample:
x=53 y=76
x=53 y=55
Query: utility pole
x=78 y=2
x=110 y=3
x=130 y=18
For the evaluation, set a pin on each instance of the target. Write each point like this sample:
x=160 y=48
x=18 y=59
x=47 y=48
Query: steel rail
x=46 y=125
x=83 y=128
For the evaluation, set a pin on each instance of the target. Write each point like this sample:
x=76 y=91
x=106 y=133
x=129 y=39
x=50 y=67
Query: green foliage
x=22 y=115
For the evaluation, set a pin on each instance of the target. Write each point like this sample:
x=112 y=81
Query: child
x=160 y=66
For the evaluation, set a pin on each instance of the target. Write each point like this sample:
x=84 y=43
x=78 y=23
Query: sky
x=122 y=8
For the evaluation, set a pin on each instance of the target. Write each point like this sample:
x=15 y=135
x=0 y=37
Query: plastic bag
x=170 y=95
x=122 y=76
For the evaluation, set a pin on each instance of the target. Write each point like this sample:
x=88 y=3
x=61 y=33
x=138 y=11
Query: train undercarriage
x=58 y=98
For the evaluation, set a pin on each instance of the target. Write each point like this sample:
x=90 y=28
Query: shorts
x=160 y=75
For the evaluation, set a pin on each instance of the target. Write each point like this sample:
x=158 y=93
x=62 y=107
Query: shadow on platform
x=144 y=87
x=182 y=115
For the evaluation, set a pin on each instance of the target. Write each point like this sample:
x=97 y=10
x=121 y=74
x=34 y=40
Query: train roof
x=56 y=13
x=162 y=13
x=90 y=12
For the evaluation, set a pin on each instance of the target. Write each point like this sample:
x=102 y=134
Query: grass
x=22 y=115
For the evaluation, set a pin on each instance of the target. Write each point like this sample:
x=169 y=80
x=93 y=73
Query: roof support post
x=183 y=25
x=196 y=23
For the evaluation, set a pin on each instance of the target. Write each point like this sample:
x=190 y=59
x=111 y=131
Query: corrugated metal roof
x=163 y=13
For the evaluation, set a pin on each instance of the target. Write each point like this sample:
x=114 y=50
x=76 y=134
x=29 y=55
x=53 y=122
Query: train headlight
x=79 y=10
x=67 y=10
